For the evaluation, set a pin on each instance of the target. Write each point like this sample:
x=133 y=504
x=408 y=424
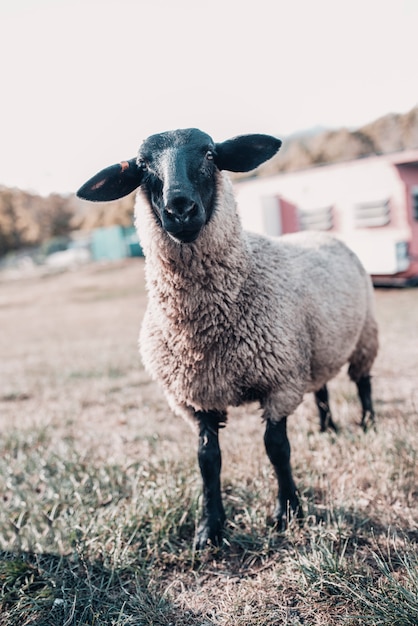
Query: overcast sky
x=84 y=81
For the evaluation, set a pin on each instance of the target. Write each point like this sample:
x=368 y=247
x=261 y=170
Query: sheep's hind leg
x=325 y=417
x=278 y=451
x=364 y=388
x=209 y=457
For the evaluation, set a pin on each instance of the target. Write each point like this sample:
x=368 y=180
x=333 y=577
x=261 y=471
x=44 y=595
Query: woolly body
x=237 y=316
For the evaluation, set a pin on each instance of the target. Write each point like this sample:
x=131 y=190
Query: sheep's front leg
x=278 y=451
x=209 y=456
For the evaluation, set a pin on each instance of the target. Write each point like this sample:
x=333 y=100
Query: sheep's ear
x=246 y=152
x=113 y=182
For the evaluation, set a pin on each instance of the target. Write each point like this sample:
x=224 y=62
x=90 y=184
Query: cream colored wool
x=237 y=315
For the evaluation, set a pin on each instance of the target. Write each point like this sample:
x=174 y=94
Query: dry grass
x=101 y=493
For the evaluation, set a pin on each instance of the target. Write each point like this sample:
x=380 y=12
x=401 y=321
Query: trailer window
x=415 y=202
x=372 y=214
x=316 y=219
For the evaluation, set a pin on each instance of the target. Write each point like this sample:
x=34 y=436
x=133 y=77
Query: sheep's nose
x=181 y=207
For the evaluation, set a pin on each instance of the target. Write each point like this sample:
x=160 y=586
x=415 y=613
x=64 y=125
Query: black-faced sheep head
x=177 y=171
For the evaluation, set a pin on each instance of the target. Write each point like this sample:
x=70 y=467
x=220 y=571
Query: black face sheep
x=234 y=317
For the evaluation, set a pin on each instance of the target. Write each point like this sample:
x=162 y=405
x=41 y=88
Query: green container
x=108 y=244
x=114 y=243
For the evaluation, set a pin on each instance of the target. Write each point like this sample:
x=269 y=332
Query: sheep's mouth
x=185 y=236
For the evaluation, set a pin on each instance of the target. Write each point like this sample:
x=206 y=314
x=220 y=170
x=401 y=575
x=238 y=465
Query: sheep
x=235 y=317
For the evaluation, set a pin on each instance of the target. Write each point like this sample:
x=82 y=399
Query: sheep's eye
x=209 y=155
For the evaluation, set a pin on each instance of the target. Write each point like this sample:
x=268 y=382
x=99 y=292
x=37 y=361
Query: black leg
x=278 y=451
x=209 y=456
x=364 y=388
x=326 y=421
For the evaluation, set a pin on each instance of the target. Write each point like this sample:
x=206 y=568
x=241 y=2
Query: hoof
x=284 y=515
x=330 y=426
x=367 y=422
x=209 y=534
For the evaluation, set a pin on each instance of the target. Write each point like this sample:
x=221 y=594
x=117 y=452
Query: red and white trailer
x=370 y=203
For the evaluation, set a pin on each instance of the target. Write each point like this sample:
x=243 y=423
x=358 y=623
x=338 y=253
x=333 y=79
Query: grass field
x=100 y=489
